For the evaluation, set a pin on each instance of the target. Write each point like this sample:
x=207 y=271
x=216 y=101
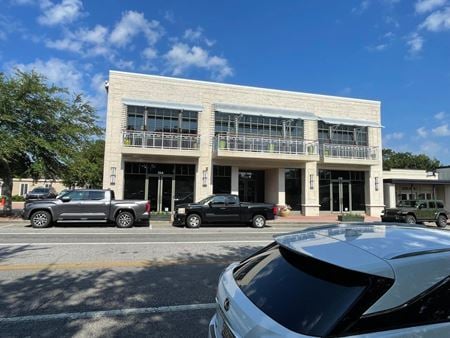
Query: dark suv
x=417 y=211
x=40 y=193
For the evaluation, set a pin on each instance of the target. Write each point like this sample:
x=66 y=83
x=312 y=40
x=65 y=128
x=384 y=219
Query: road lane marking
x=110 y=264
x=7 y=225
x=107 y=313
x=132 y=243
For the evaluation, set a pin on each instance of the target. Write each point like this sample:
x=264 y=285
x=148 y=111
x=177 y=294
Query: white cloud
x=415 y=43
x=378 y=48
x=422 y=132
x=441 y=130
x=98 y=99
x=437 y=21
x=150 y=53
x=424 y=6
x=84 y=41
x=193 y=35
x=431 y=148
x=394 y=136
x=363 y=6
x=62 y=13
x=440 y=116
x=169 y=16
x=131 y=24
x=181 y=57
x=59 y=72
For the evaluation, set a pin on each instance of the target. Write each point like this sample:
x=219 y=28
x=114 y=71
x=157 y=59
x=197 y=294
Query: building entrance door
x=251 y=186
x=160 y=192
x=340 y=195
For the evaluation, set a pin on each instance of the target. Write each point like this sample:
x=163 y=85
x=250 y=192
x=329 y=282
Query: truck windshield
x=407 y=203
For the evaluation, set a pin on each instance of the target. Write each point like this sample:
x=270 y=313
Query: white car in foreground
x=340 y=281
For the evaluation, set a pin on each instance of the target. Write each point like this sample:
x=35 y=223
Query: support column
x=389 y=195
x=275 y=186
x=204 y=169
x=447 y=197
x=310 y=190
x=235 y=180
x=374 y=191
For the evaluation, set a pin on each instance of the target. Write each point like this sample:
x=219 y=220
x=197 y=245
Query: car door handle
x=223 y=208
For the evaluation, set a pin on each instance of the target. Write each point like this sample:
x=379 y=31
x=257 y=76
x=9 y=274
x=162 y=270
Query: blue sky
x=395 y=51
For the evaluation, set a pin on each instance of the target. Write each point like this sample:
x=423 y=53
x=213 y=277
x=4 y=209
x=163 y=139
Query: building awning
x=264 y=111
x=412 y=181
x=167 y=105
x=350 y=122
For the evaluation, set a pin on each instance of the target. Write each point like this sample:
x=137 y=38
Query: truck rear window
x=301 y=293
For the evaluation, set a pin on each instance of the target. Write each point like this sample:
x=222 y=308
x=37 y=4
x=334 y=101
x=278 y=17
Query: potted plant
x=284 y=210
x=350 y=217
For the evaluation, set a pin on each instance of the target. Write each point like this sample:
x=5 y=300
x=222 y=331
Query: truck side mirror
x=210 y=204
x=65 y=199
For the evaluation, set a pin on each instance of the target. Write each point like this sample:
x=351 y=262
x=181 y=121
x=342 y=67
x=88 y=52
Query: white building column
x=235 y=180
x=204 y=169
x=275 y=192
x=447 y=197
x=389 y=195
x=310 y=190
x=374 y=191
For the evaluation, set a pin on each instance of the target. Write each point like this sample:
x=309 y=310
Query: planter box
x=350 y=218
x=161 y=217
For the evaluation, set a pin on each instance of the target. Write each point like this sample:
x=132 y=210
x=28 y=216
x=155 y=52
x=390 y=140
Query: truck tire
x=41 y=219
x=193 y=221
x=258 y=221
x=124 y=219
x=410 y=219
x=441 y=221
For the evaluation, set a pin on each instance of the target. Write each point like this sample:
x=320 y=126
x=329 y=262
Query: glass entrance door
x=340 y=195
x=160 y=192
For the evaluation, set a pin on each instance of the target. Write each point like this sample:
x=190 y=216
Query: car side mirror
x=210 y=204
x=65 y=199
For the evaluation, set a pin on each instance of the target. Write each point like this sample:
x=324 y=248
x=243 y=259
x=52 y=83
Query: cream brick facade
x=150 y=89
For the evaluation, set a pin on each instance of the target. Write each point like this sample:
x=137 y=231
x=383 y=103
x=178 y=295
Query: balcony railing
x=259 y=144
x=349 y=151
x=160 y=140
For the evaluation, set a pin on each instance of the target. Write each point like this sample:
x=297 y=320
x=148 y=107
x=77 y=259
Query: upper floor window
x=342 y=134
x=239 y=124
x=162 y=120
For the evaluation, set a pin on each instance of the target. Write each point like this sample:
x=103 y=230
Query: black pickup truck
x=86 y=205
x=223 y=208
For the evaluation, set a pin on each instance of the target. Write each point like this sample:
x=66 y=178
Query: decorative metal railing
x=349 y=151
x=160 y=140
x=258 y=144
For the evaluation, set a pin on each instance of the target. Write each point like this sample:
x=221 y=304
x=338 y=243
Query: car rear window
x=303 y=294
x=40 y=190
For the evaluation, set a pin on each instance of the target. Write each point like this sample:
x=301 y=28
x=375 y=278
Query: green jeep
x=417 y=211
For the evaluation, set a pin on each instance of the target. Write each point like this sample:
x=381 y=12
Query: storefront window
x=221 y=179
x=226 y=123
x=293 y=188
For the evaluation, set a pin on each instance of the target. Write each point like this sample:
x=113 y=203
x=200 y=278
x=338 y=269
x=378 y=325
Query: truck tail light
x=275 y=210
x=147 y=206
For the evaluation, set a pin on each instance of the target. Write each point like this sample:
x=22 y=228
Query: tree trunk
x=6 y=176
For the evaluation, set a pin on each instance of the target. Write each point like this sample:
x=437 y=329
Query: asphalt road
x=95 y=281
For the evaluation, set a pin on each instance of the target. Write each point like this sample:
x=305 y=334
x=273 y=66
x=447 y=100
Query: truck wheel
x=441 y=221
x=124 y=219
x=41 y=219
x=410 y=219
x=193 y=221
x=259 y=221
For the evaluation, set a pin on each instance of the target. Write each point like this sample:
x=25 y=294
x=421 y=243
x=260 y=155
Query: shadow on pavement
x=189 y=279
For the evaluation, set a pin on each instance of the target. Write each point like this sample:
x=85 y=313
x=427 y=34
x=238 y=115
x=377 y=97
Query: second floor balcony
x=160 y=141
x=258 y=146
x=336 y=152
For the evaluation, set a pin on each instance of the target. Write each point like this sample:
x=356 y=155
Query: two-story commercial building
x=174 y=140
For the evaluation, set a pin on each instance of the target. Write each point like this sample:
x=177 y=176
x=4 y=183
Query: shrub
x=18 y=198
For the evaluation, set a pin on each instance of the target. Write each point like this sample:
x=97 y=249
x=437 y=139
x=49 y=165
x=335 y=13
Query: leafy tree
x=399 y=160
x=41 y=127
x=85 y=168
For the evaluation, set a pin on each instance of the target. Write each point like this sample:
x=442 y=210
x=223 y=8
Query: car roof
x=387 y=250
x=386 y=241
